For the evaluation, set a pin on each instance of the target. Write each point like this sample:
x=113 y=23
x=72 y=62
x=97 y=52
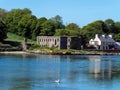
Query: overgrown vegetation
x=23 y=23
x=17 y=38
x=54 y=50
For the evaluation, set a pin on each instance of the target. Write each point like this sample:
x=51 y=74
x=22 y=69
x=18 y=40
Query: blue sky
x=80 y=12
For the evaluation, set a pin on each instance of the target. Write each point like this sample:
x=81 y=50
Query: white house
x=102 y=42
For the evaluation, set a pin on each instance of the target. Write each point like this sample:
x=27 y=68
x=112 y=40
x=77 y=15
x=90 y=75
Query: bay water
x=59 y=72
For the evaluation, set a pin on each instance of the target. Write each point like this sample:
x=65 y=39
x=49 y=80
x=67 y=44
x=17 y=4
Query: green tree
x=48 y=28
x=74 y=29
x=91 y=29
x=13 y=17
x=3 y=14
x=110 y=25
x=66 y=32
x=38 y=28
x=61 y=32
x=27 y=25
x=3 y=31
x=72 y=26
x=117 y=37
x=58 y=22
x=117 y=27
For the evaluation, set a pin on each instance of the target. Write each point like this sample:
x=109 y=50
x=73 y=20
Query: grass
x=14 y=42
x=15 y=38
x=55 y=50
x=3 y=44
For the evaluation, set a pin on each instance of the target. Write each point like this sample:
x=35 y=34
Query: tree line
x=23 y=23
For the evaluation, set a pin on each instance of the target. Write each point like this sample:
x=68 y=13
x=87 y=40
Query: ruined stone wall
x=49 y=41
x=59 y=42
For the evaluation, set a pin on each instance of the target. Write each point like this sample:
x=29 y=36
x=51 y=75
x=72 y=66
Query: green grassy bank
x=13 y=42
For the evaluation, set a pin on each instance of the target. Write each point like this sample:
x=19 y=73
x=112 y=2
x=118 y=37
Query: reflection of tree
x=24 y=86
x=76 y=57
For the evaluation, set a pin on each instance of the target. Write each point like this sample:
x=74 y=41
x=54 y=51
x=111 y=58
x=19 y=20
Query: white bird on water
x=57 y=81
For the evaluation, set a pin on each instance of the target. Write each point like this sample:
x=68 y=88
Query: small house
x=102 y=42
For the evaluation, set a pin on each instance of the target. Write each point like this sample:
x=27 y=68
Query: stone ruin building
x=61 y=42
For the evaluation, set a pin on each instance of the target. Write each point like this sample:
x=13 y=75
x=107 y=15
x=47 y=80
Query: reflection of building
x=99 y=67
x=102 y=42
x=61 y=42
x=95 y=64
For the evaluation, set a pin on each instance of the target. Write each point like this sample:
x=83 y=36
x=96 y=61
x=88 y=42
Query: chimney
x=96 y=35
x=103 y=35
x=110 y=36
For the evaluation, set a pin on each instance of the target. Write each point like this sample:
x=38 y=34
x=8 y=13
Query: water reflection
x=100 y=68
x=75 y=72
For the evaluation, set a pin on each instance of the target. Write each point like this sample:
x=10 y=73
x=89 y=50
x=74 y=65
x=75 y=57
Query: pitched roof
x=106 y=39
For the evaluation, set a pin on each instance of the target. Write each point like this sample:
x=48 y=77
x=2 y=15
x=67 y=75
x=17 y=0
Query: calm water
x=75 y=72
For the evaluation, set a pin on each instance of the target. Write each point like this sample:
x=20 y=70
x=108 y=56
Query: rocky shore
x=76 y=53
x=13 y=52
x=62 y=53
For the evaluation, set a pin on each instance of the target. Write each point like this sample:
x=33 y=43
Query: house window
x=55 y=42
x=58 y=40
x=98 y=47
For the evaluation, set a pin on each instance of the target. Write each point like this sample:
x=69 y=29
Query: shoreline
x=60 y=53
x=13 y=52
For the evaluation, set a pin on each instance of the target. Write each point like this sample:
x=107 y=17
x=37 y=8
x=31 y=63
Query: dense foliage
x=22 y=22
x=3 y=31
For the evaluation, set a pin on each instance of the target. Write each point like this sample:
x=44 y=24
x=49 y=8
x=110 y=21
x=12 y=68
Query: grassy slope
x=13 y=37
x=16 y=38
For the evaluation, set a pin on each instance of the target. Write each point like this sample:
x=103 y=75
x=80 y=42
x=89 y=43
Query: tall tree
x=61 y=32
x=91 y=29
x=27 y=25
x=117 y=27
x=3 y=14
x=48 y=28
x=3 y=31
x=38 y=28
x=66 y=32
x=13 y=18
x=110 y=25
x=72 y=26
x=58 y=22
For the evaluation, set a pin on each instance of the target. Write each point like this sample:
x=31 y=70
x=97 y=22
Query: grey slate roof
x=106 y=39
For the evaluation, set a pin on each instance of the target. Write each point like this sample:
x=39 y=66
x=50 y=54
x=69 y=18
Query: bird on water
x=57 y=81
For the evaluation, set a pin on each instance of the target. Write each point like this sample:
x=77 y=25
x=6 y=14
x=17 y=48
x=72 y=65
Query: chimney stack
x=110 y=36
x=103 y=35
x=96 y=35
